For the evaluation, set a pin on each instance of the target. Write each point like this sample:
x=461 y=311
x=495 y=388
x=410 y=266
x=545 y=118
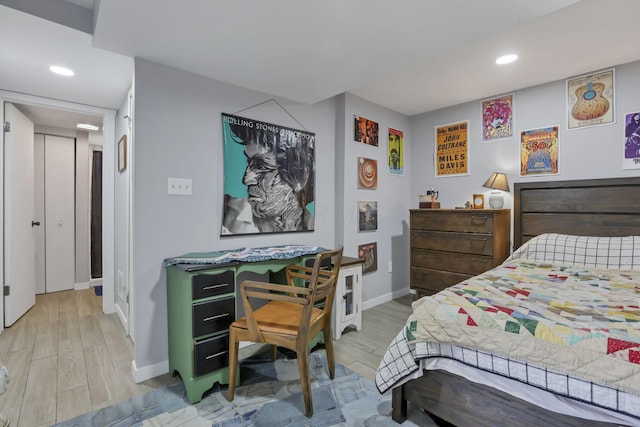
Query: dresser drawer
x=434 y=281
x=455 y=262
x=466 y=222
x=470 y=243
x=213 y=316
x=211 y=354
x=208 y=285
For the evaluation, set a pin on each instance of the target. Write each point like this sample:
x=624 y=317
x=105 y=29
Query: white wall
x=592 y=152
x=121 y=207
x=392 y=194
x=178 y=133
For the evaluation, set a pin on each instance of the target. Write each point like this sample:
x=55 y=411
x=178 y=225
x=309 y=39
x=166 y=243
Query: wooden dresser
x=451 y=245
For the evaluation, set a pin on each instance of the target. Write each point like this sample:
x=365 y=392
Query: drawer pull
x=208 y=288
x=211 y=356
x=219 y=316
x=480 y=217
x=480 y=239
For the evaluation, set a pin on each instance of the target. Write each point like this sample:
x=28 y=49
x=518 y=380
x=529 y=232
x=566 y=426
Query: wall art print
x=367 y=215
x=539 y=151
x=590 y=100
x=269 y=177
x=367 y=173
x=452 y=149
x=631 y=159
x=497 y=118
x=369 y=252
x=365 y=131
x=395 y=152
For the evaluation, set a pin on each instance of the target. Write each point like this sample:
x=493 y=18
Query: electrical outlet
x=390 y=267
x=179 y=186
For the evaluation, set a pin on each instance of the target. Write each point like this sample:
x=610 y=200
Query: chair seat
x=279 y=317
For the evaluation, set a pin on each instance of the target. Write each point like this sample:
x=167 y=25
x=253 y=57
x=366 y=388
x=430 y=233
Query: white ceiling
x=411 y=56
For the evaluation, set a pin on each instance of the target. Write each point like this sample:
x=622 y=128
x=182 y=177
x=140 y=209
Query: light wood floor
x=66 y=358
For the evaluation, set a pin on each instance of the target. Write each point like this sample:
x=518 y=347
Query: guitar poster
x=452 y=149
x=497 y=118
x=590 y=100
x=539 y=151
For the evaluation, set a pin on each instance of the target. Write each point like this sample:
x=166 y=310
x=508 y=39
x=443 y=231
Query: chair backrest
x=322 y=282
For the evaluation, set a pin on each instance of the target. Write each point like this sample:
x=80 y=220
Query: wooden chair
x=292 y=318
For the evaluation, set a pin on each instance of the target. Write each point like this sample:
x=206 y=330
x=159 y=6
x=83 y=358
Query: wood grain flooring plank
x=46 y=342
x=90 y=331
x=72 y=403
x=72 y=371
x=40 y=394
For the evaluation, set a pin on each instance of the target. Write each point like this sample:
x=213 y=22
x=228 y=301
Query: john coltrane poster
x=269 y=177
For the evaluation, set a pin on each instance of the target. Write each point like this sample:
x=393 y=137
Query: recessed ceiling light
x=61 y=70
x=506 y=59
x=87 y=126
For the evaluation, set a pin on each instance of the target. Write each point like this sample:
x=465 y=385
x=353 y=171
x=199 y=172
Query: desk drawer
x=466 y=222
x=470 y=243
x=211 y=354
x=455 y=262
x=213 y=316
x=208 y=285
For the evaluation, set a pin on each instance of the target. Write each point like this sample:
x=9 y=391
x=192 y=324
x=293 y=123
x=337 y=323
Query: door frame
x=108 y=190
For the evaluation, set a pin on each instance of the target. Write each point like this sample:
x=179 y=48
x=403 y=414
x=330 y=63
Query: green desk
x=201 y=304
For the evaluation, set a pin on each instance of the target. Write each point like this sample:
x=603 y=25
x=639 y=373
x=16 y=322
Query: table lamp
x=497 y=181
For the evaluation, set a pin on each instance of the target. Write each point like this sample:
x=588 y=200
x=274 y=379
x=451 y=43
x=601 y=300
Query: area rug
x=269 y=395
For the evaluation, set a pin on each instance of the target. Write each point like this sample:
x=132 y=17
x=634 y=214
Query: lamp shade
x=497 y=181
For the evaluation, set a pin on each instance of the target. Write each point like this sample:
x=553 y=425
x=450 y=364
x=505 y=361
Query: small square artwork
x=367 y=173
x=367 y=215
x=369 y=252
x=365 y=131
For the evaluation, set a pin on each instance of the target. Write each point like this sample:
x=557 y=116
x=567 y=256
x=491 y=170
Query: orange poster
x=452 y=149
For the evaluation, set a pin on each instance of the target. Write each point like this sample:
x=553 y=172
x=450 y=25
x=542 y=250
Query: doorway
x=108 y=122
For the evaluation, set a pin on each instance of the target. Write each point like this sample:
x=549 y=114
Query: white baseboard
x=95 y=282
x=385 y=298
x=81 y=286
x=148 y=372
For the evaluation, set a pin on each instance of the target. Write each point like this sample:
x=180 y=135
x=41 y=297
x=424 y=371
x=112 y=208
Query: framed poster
x=631 y=159
x=365 y=131
x=497 y=118
x=367 y=173
x=452 y=149
x=367 y=215
x=395 y=152
x=539 y=151
x=369 y=252
x=590 y=100
x=269 y=177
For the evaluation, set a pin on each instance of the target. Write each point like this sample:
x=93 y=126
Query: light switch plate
x=179 y=186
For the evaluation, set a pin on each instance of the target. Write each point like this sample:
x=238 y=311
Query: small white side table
x=347 y=309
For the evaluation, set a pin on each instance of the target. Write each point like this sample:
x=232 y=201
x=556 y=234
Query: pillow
x=621 y=253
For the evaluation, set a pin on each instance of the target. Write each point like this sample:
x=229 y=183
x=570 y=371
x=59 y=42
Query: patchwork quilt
x=580 y=321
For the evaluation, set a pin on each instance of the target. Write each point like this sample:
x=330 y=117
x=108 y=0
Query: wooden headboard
x=594 y=207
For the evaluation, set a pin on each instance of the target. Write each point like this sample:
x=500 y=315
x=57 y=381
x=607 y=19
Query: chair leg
x=328 y=345
x=274 y=352
x=305 y=383
x=233 y=364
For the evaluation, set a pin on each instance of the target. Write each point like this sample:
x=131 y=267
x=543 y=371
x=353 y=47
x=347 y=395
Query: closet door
x=59 y=171
x=39 y=230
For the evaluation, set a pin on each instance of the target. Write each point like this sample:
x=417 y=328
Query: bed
x=582 y=234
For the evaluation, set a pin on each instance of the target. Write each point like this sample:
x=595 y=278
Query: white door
x=39 y=213
x=59 y=200
x=19 y=265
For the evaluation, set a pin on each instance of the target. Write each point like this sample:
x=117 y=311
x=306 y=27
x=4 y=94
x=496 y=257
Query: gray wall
x=178 y=134
x=392 y=194
x=591 y=152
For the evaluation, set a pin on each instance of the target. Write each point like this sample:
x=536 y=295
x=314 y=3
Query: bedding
x=561 y=314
